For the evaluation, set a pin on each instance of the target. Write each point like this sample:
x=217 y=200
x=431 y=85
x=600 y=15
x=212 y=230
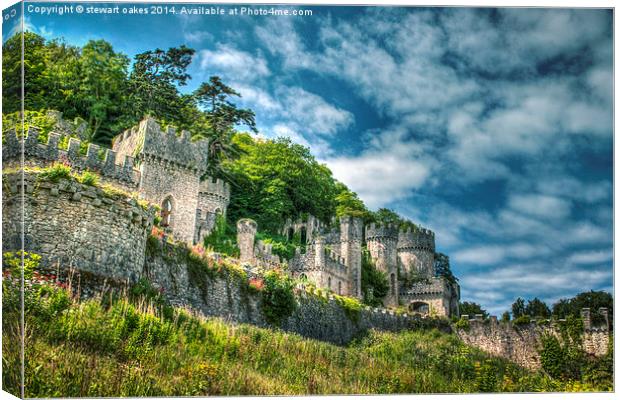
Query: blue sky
x=492 y=127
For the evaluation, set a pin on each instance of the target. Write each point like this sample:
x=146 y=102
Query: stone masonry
x=76 y=226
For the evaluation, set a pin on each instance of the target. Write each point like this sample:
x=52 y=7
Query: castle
x=168 y=170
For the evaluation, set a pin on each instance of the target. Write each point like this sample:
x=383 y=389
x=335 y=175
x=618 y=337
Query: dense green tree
x=471 y=309
x=102 y=86
x=442 y=267
x=222 y=115
x=153 y=83
x=348 y=203
x=537 y=308
x=505 y=316
x=592 y=300
x=275 y=179
x=518 y=308
x=387 y=216
x=34 y=53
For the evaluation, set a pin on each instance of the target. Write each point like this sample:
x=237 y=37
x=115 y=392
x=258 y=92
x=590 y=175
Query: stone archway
x=420 y=307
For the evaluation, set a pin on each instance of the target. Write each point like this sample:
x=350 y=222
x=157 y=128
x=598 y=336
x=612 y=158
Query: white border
x=480 y=3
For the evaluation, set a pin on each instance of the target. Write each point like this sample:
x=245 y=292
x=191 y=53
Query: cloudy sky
x=492 y=127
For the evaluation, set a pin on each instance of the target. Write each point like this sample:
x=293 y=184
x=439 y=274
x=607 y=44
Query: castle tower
x=382 y=241
x=416 y=252
x=246 y=232
x=170 y=170
x=351 y=251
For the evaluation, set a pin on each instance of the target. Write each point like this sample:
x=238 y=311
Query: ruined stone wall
x=520 y=344
x=214 y=196
x=321 y=318
x=77 y=225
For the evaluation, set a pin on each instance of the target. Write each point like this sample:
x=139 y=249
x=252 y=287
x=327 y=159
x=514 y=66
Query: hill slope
x=117 y=348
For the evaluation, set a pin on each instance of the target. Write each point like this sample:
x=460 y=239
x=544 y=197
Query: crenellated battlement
x=419 y=239
x=149 y=141
x=381 y=232
x=215 y=187
x=104 y=161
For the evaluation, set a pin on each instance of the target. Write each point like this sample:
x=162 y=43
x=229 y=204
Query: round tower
x=416 y=252
x=382 y=241
x=246 y=232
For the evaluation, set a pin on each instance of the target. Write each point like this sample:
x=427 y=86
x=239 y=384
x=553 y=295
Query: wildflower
x=257 y=283
x=157 y=232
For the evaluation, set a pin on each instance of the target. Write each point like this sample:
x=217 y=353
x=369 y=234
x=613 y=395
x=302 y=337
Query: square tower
x=170 y=170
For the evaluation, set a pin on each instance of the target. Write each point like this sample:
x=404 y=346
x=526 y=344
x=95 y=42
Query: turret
x=416 y=251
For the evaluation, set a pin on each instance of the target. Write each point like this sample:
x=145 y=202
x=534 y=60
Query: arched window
x=393 y=283
x=303 y=277
x=329 y=283
x=218 y=211
x=166 y=211
x=291 y=233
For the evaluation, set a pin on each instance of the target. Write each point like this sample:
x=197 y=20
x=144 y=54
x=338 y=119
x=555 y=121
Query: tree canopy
x=276 y=179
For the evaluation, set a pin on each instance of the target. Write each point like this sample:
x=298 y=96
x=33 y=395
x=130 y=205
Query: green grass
x=117 y=348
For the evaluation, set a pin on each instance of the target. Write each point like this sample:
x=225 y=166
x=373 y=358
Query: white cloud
x=237 y=64
x=542 y=206
x=378 y=178
x=590 y=257
x=486 y=255
x=280 y=37
x=257 y=98
x=314 y=113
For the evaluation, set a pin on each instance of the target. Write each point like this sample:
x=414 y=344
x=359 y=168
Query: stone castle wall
x=520 y=344
x=162 y=180
x=113 y=168
x=320 y=318
x=76 y=225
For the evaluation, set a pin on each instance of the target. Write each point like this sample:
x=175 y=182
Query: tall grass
x=101 y=348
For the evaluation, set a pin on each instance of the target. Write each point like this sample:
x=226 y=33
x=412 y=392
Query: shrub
x=552 y=356
x=521 y=320
x=486 y=376
x=352 y=307
x=56 y=172
x=39 y=119
x=278 y=301
x=88 y=178
x=223 y=238
x=462 y=324
x=12 y=262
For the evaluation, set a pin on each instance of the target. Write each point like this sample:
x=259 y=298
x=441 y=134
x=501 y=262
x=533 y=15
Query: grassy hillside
x=122 y=347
